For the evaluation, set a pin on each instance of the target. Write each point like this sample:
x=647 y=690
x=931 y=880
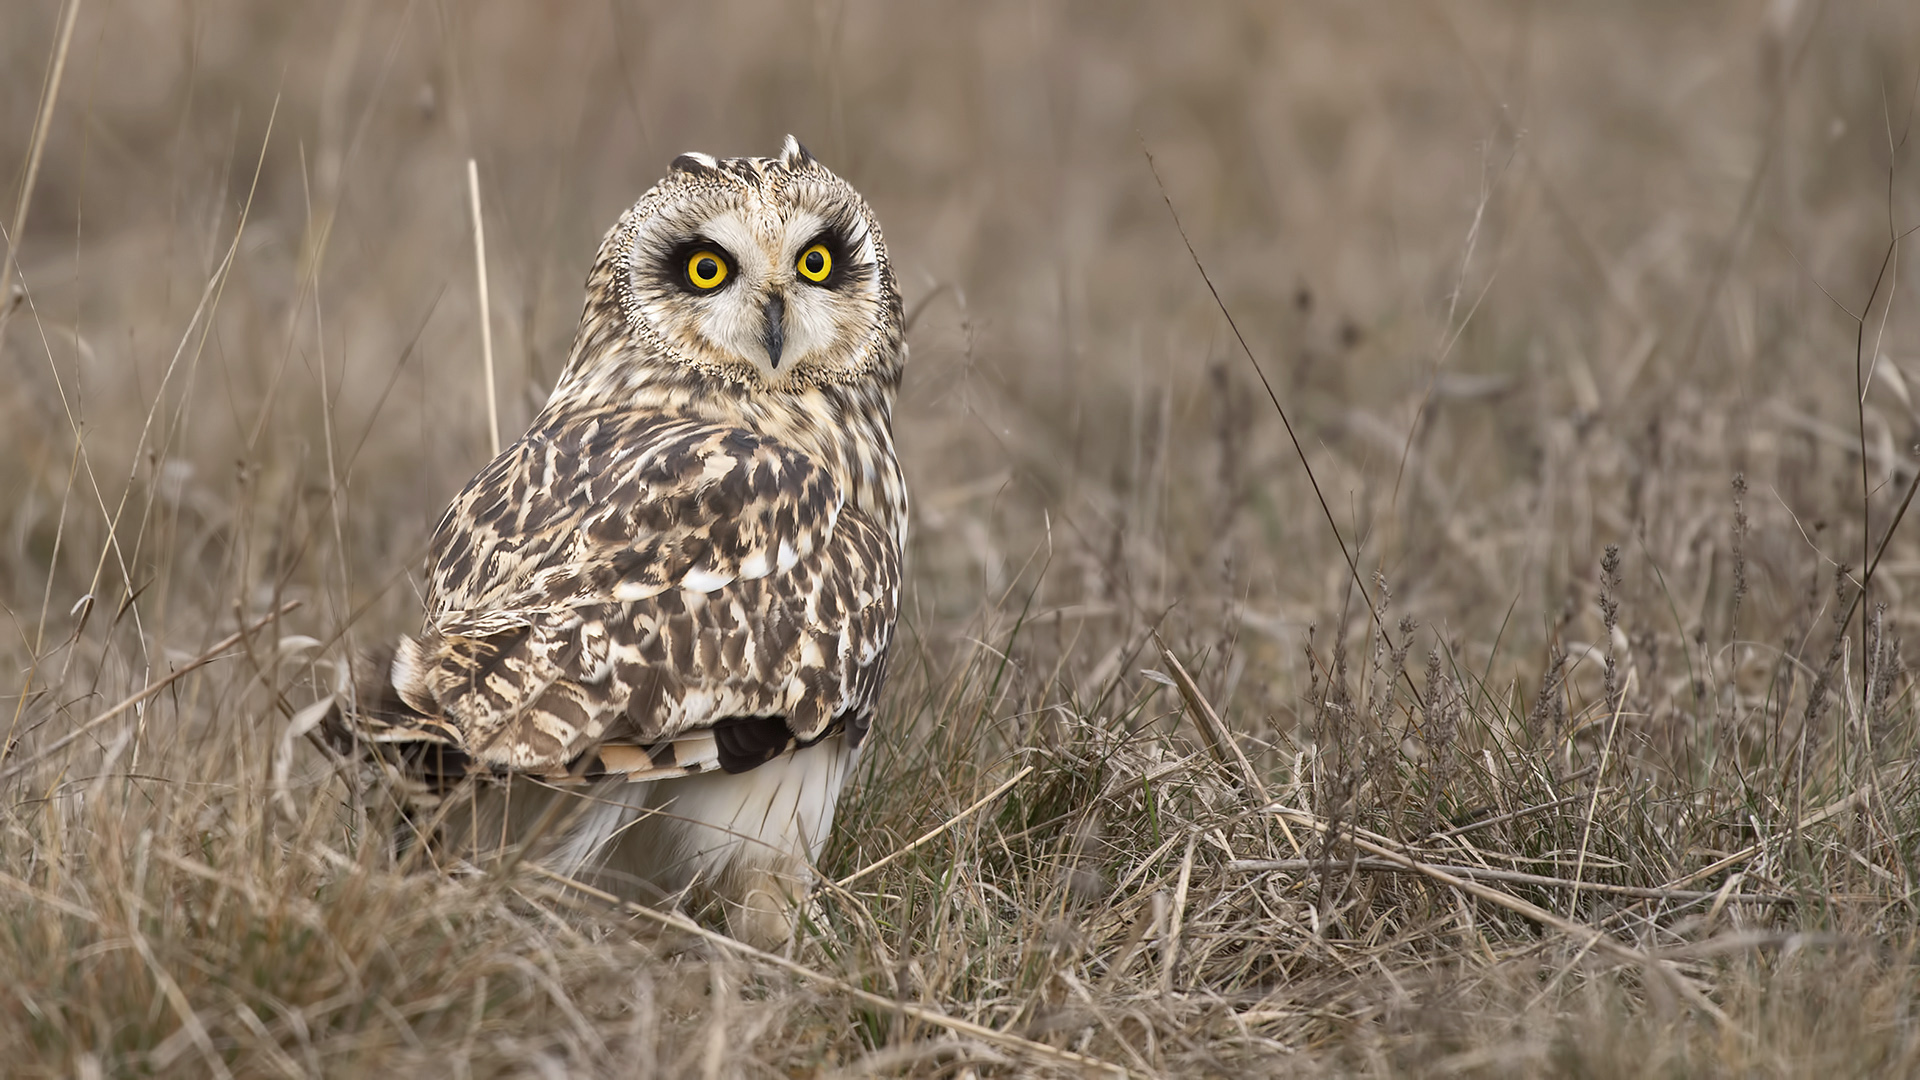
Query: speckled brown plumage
x=629 y=579
x=691 y=561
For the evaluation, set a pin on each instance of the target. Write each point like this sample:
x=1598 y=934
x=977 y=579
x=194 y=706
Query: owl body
x=657 y=624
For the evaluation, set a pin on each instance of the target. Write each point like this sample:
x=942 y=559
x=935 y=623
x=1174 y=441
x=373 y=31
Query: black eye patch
x=698 y=265
x=827 y=261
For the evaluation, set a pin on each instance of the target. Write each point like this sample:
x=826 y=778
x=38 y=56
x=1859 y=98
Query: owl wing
x=654 y=597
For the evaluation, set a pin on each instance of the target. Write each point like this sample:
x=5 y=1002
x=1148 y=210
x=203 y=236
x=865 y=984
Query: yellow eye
x=706 y=270
x=815 y=264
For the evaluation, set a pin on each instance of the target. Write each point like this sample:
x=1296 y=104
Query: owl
x=658 y=622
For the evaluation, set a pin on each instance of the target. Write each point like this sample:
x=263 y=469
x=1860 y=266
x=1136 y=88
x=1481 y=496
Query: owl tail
x=387 y=722
x=370 y=719
x=380 y=712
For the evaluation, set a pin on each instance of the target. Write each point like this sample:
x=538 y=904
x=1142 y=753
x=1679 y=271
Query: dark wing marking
x=614 y=585
x=742 y=742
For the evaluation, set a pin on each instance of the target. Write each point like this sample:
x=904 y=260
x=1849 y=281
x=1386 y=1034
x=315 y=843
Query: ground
x=1467 y=643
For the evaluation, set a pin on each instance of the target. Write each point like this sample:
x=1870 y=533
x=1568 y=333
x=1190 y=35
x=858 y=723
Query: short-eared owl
x=657 y=624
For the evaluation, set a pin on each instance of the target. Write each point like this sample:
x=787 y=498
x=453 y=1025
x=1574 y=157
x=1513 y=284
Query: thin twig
x=930 y=834
x=1604 y=942
x=922 y=1013
x=1826 y=813
x=486 y=320
x=1498 y=819
x=1299 y=451
x=202 y=320
x=213 y=652
x=1749 y=198
x=41 y=126
x=1513 y=877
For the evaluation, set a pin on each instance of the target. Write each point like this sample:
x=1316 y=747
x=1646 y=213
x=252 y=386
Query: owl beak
x=776 y=332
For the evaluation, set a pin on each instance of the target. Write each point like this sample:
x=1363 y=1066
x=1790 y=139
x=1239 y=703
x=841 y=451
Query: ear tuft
x=695 y=163
x=793 y=155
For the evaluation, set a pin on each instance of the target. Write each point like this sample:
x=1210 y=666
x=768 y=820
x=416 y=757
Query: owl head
x=765 y=274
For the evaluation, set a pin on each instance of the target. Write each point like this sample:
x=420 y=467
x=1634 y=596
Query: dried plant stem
x=1220 y=741
x=1353 y=568
x=1511 y=815
x=1170 y=945
x=1606 y=752
x=930 y=834
x=41 y=126
x=486 y=318
x=1514 y=877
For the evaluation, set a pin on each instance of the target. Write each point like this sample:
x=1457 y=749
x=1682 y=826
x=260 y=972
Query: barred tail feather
x=393 y=723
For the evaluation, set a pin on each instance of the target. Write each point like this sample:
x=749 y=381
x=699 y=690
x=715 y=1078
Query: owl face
x=767 y=272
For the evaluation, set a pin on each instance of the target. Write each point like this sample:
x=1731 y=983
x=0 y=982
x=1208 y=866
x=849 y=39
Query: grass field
x=1562 y=729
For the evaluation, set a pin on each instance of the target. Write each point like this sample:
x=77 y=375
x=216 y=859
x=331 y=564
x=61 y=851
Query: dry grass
x=1592 y=762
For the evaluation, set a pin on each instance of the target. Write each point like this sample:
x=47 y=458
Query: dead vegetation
x=1570 y=734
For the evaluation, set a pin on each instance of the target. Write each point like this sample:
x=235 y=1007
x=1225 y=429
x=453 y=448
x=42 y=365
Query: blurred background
x=1530 y=279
